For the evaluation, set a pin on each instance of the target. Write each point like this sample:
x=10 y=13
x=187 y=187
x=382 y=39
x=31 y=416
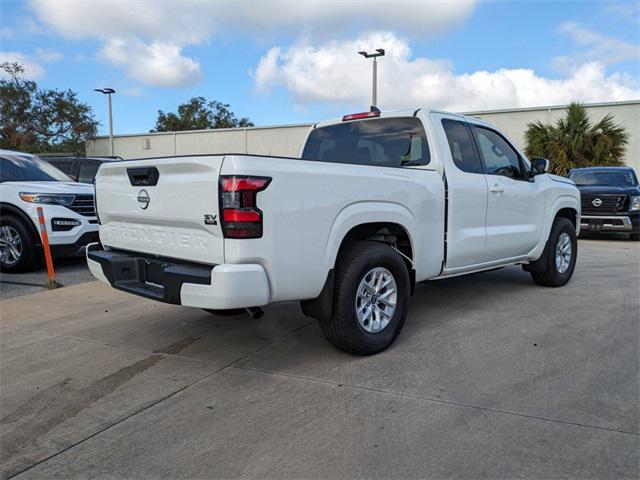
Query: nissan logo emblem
x=596 y=202
x=143 y=199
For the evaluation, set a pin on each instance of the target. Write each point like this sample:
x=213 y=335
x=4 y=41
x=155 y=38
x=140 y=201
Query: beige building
x=286 y=140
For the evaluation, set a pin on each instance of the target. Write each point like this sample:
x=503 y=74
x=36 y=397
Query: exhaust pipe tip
x=255 y=313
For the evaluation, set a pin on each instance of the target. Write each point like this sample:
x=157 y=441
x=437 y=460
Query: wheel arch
x=12 y=210
x=382 y=226
x=565 y=206
x=391 y=233
x=571 y=214
x=382 y=221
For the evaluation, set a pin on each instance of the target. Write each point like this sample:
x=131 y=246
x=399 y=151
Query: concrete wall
x=286 y=140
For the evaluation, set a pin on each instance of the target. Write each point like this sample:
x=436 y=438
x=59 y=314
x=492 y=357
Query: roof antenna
x=374 y=89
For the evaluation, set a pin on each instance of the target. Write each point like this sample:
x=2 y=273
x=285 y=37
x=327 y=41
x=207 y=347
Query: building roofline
x=552 y=107
x=309 y=125
x=186 y=132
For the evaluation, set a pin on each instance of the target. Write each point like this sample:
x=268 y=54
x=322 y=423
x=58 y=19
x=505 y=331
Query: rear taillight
x=240 y=215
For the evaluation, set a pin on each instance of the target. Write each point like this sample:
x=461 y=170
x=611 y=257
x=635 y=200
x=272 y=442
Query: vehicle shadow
x=620 y=237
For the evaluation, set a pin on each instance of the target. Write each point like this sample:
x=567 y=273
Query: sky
x=296 y=61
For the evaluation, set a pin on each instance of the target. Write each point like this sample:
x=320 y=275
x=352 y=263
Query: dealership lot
x=492 y=377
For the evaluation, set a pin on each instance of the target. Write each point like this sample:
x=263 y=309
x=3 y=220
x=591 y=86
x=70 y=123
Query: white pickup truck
x=375 y=203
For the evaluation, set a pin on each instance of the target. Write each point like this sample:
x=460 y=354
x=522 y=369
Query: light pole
x=374 y=87
x=108 y=91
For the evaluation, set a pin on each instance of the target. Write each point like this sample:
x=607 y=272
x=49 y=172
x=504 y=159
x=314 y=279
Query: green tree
x=199 y=114
x=34 y=119
x=574 y=141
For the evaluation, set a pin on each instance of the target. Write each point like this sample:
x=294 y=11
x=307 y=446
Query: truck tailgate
x=166 y=207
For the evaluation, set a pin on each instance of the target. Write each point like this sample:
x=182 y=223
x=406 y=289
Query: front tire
x=371 y=294
x=18 y=251
x=559 y=256
x=634 y=237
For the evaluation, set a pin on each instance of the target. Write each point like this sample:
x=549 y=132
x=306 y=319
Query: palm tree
x=575 y=142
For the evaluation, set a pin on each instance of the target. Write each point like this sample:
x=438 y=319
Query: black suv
x=80 y=169
x=610 y=199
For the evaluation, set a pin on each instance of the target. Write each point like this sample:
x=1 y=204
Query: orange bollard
x=47 y=250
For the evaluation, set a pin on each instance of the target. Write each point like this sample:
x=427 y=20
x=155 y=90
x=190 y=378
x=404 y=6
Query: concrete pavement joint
x=108 y=427
x=89 y=340
x=152 y=404
x=435 y=400
x=96 y=342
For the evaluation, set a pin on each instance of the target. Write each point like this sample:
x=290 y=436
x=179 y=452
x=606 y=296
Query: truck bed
x=307 y=208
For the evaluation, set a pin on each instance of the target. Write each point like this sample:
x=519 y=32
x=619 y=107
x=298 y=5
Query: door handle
x=496 y=188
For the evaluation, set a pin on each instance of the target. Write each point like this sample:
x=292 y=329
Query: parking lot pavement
x=69 y=271
x=492 y=377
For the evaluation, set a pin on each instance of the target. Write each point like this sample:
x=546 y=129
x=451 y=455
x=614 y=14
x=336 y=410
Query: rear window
x=384 y=142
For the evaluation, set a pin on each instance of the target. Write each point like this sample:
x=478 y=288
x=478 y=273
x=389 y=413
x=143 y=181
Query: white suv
x=27 y=182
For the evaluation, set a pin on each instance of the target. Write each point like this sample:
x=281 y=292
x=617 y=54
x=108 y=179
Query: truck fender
x=361 y=213
x=563 y=201
x=350 y=217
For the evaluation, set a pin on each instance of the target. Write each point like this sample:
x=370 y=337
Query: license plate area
x=153 y=273
x=140 y=276
x=595 y=224
x=152 y=277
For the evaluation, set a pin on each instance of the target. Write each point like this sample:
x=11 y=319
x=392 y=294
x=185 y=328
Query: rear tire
x=18 y=252
x=371 y=295
x=634 y=237
x=559 y=256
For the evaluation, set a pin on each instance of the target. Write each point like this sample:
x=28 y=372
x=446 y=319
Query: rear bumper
x=628 y=223
x=180 y=283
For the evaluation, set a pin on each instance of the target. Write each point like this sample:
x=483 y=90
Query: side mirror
x=539 y=166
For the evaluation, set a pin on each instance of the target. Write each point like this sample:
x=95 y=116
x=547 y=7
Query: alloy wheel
x=563 y=252
x=10 y=246
x=376 y=299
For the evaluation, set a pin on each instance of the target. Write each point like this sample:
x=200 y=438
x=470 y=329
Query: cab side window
x=461 y=145
x=498 y=156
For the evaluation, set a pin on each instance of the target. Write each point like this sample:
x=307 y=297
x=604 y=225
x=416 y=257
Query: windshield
x=17 y=168
x=390 y=142
x=610 y=178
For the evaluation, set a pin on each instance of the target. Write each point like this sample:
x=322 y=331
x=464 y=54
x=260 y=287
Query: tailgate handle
x=143 y=176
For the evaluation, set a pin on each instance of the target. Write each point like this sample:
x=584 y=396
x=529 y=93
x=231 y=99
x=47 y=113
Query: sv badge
x=210 y=219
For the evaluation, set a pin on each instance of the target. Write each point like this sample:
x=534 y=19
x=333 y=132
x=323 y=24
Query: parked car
x=27 y=182
x=376 y=203
x=610 y=199
x=80 y=169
